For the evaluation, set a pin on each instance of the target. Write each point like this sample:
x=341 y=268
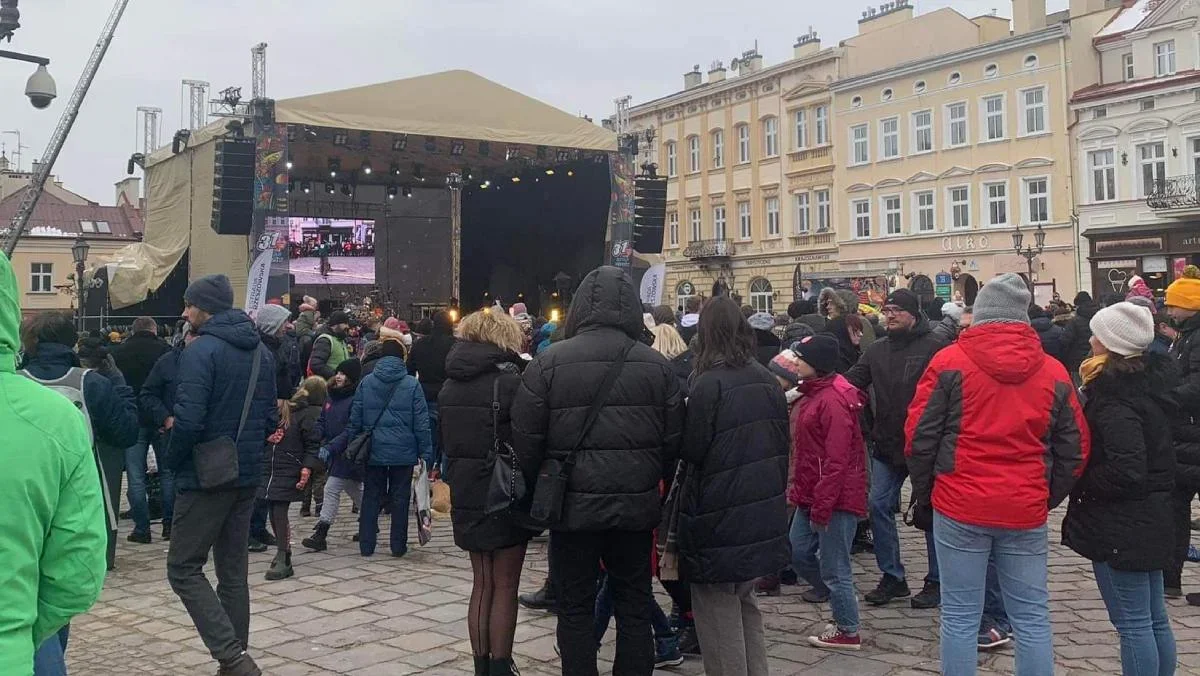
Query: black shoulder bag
x=507 y=487
x=359 y=449
x=216 y=461
x=553 y=476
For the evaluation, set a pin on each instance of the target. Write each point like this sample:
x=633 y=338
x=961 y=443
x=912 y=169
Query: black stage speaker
x=233 y=186
x=649 y=213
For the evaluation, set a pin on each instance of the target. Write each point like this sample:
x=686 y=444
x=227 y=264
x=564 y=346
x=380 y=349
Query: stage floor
x=345 y=270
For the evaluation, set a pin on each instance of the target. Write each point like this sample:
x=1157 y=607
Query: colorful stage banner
x=269 y=274
x=620 y=212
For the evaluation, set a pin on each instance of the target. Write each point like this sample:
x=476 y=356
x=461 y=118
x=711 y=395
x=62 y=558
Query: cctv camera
x=41 y=89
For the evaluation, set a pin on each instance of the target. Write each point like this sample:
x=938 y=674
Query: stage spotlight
x=466 y=173
x=330 y=187
x=549 y=172
x=335 y=165
x=407 y=191
x=417 y=175
x=484 y=185
x=306 y=187
x=516 y=179
x=511 y=154
x=347 y=190
x=340 y=137
x=394 y=169
x=400 y=142
x=570 y=172
x=289 y=165
x=564 y=155
x=457 y=148
x=366 y=167
x=310 y=133
x=392 y=191
x=600 y=158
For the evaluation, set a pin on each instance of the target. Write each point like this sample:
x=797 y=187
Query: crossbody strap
x=249 y=393
x=387 y=402
x=496 y=413
x=602 y=393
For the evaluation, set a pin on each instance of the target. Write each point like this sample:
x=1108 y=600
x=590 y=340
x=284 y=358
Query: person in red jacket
x=829 y=482
x=995 y=439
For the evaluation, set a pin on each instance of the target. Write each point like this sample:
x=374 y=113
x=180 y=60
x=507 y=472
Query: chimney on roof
x=692 y=78
x=887 y=14
x=1028 y=16
x=1085 y=7
x=129 y=190
x=806 y=44
x=716 y=72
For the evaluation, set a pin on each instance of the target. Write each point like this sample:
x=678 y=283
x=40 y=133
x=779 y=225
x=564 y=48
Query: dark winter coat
x=156 y=401
x=335 y=417
x=465 y=407
x=768 y=346
x=112 y=407
x=137 y=356
x=285 y=384
x=296 y=451
x=946 y=329
x=214 y=373
x=1186 y=353
x=621 y=461
x=815 y=323
x=733 y=524
x=1052 y=338
x=1120 y=511
x=799 y=329
x=328 y=352
x=683 y=365
x=402 y=436
x=829 y=469
x=428 y=358
x=1077 y=337
x=893 y=365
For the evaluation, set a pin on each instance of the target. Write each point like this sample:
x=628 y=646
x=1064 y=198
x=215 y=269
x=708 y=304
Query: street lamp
x=1030 y=252
x=79 y=252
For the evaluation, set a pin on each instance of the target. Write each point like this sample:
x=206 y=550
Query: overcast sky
x=577 y=55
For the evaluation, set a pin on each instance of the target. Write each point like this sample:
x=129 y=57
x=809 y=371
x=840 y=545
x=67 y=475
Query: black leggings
x=279 y=523
x=492 y=614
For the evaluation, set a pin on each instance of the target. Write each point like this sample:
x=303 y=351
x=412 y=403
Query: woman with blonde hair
x=483 y=372
x=670 y=344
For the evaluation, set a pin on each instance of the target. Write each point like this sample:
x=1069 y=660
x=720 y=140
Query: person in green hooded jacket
x=52 y=546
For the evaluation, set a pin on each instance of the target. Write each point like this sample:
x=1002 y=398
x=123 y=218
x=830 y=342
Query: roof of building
x=1145 y=85
x=55 y=218
x=1133 y=15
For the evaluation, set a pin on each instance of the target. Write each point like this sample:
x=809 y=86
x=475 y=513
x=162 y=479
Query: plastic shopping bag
x=420 y=500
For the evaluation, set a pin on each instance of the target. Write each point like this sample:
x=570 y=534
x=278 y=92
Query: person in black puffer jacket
x=484 y=364
x=427 y=362
x=733 y=521
x=1120 y=514
x=1183 y=307
x=1051 y=335
x=768 y=344
x=1077 y=333
x=612 y=500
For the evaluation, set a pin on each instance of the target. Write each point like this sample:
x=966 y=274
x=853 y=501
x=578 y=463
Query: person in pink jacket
x=829 y=483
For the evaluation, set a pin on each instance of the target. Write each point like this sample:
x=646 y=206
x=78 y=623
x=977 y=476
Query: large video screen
x=332 y=251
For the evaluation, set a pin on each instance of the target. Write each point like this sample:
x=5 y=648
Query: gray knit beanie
x=271 y=318
x=1004 y=299
x=211 y=293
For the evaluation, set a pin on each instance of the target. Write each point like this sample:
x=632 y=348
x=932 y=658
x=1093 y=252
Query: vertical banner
x=260 y=273
x=620 y=211
x=268 y=277
x=652 y=284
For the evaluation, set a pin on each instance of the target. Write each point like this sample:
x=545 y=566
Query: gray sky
x=577 y=54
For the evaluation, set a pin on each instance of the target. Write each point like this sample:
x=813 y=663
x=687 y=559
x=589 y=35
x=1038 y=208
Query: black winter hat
x=338 y=317
x=819 y=351
x=211 y=293
x=352 y=368
x=905 y=300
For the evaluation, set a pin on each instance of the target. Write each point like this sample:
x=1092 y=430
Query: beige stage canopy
x=454 y=104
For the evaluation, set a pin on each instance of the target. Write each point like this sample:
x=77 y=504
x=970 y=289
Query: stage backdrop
x=413 y=250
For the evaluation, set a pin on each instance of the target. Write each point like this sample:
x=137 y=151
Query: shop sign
x=1122 y=263
x=943 y=283
x=964 y=242
x=810 y=258
x=1189 y=240
x=1135 y=244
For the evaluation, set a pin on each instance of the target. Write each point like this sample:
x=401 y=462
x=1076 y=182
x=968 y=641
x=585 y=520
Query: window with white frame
x=993 y=117
x=1127 y=66
x=693 y=153
x=889 y=138
x=694 y=223
x=801 y=129
x=1195 y=144
x=672 y=158
x=1146 y=104
x=925 y=206
x=886 y=95
x=1033 y=111
x=718 y=144
x=991 y=70
x=824 y=218
x=1152 y=161
x=762 y=296
x=673 y=228
x=892 y=223
x=956 y=124
x=822 y=115
x=682 y=294
x=922 y=122
x=41 y=278
x=1164 y=58
x=1031 y=62
x=103 y=227
x=772 y=207
x=745 y=229
x=1104 y=175
x=771 y=136
x=87 y=226
x=1099 y=112
x=862 y=218
x=859 y=141
x=743 y=134
x=718 y=222
x=997 y=203
x=960 y=206
x=801 y=217
x=1037 y=200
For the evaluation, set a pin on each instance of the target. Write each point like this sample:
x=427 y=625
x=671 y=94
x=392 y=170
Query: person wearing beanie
x=1048 y=332
x=306 y=323
x=427 y=361
x=1183 y=308
x=768 y=343
x=785 y=366
x=1139 y=289
x=1121 y=512
x=374 y=351
x=1077 y=334
x=999 y=469
x=948 y=327
x=329 y=347
x=343 y=476
x=211 y=294
x=891 y=367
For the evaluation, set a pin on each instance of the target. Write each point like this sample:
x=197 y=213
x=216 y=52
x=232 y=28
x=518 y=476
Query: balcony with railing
x=709 y=249
x=817 y=239
x=1177 y=195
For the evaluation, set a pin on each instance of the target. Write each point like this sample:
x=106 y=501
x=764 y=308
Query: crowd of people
x=720 y=450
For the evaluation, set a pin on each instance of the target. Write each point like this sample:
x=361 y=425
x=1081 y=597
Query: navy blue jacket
x=156 y=401
x=335 y=417
x=214 y=372
x=402 y=436
x=110 y=405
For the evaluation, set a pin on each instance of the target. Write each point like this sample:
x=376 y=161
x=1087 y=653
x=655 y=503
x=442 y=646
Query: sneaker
x=242 y=665
x=835 y=639
x=140 y=538
x=1173 y=592
x=1195 y=524
x=667 y=654
x=767 y=586
x=1193 y=554
x=542 y=599
x=788 y=577
x=812 y=595
x=1193 y=599
x=256 y=546
x=929 y=597
x=889 y=588
x=689 y=643
x=166 y=531
x=306 y=510
x=993 y=638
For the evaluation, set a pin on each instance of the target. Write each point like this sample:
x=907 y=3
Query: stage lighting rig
x=418 y=173
x=335 y=165
x=330 y=188
x=364 y=140
x=485 y=148
x=392 y=191
x=563 y=156
x=400 y=142
x=457 y=148
x=431 y=144
x=289 y=165
x=306 y=187
x=180 y=141
x=407 y=191
x=394 y=169
x=347 y=190
x=340 y=137
x=366 y=167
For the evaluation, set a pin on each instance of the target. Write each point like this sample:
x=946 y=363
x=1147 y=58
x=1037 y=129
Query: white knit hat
x=1124 y=328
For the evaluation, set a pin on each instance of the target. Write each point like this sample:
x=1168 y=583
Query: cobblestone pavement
x=342 y=614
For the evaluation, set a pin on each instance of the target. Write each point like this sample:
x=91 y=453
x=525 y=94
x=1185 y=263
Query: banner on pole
x=260 y=273
x=652 y=284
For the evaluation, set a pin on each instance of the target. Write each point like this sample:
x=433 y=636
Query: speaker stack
x=233 y=186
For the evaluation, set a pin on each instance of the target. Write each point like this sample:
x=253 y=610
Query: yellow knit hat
x=1185 y=291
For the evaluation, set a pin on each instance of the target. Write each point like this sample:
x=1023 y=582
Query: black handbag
x=359 y=449
x=547 y=505
x=216 y=461
x=507 y=486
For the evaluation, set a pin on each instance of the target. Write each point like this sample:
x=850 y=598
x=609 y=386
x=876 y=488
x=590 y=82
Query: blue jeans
x=822 y=558
x=994 y=614
x=392 y=483
x=1020 y=557
x=434 y=425
x=886 y=482
x=1136 y=608
x=50 y=659
x=135 y=472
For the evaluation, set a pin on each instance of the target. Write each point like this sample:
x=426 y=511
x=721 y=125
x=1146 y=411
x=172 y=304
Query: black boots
x=242 y=665
x=317 y=541
x=281 y=567
x=542 y=599
x=504 y=667
x=482 y=664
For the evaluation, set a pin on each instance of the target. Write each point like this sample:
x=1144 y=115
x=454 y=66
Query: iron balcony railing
x=1178 y=192
x=710 y=248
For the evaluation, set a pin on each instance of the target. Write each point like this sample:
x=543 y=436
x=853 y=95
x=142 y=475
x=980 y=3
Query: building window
x=762 y=296
x=922 y=121
x=1146 y=105
x=772 y=204
x=673 y=228
x=41 y=278
x=1104 y=175
x=823 y=215
x=1127 y=66
x=1033 y=113
x=956 y=125
x=993 y=111
x=991 y=70
x=856 y=102
x=693 y=153
x=997 y=203
x=683 y=292
x=960 y=206
x=718 y=141
x=926 y=211
x=862 y=218
x=1031 y=62
x=694 y=221
x=743 y=134
x=801 y=129
x=802 y=216
x=672 y=157
x=103 y=228
x=919 y=87
x=745 y=231
x=718 y=222
x=886 y=95
x=1164 y=58
x=1099 y=112
x=87 y=226
x=771 y=136
x=954 y=78
x=889 y=137
x=859 y=138
x=822 y=125
x=892 y=224
x=1037 y=200
x=1153 y=162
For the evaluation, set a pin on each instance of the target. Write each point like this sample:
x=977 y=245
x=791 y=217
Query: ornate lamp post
x=79 y=252
x=1029 y=252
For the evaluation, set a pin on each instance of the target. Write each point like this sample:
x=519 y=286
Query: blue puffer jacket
x=156 y=401
x=402 y=436
x=110 y=404
x=332 y=426
x=214 y=372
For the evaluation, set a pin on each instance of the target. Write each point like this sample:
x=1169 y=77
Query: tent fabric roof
x=454 y=104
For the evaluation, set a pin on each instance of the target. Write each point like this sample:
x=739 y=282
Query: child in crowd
x=344 y=476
